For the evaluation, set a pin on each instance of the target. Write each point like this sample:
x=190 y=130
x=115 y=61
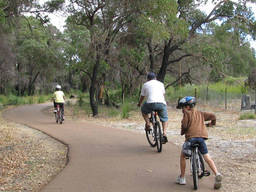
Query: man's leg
x=164 y=125
x=146 y=118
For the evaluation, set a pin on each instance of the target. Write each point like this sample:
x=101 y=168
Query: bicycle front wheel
x=158 y=135
x=195 y=169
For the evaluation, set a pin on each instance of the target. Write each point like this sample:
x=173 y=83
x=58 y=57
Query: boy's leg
x=211 y=163
x=182 y=165
x=218 y=176
x=181 y=178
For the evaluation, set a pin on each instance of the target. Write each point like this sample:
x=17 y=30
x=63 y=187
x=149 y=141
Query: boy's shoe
x=218 y=179
x=164 y=139
x=181 y=180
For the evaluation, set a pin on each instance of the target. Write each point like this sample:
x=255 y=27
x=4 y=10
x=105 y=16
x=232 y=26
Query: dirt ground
x=231 y=142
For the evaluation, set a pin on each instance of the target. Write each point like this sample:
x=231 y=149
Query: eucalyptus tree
x=76 y=39
x=38 y=54
x=179 y=22
x=104 y=19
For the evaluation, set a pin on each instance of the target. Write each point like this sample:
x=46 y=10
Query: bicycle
x=154 y=136
x=197 y=165
x=59 y=114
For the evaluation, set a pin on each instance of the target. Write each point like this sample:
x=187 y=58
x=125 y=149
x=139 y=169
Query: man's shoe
x=181 y=180
x=147 y=127
x=164 y=139
x=218 y=179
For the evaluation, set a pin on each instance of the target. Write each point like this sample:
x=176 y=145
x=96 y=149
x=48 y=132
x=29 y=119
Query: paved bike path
x=103 y=159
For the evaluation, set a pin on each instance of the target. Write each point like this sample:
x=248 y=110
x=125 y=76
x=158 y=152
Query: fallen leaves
x=28 y=158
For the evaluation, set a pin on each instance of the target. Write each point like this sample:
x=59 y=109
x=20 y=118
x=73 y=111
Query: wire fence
x=225 y=98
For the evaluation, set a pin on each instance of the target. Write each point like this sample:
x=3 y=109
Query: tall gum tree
x=104 y=19
x=180 y=21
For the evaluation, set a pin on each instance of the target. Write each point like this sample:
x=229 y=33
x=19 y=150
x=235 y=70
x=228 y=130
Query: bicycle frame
x=58 y=114
x=156 y=131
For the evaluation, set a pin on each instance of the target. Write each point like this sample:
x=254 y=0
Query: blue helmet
x=151 y=76
x=186 y=101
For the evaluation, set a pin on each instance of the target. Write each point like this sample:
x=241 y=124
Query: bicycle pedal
x=206 y=173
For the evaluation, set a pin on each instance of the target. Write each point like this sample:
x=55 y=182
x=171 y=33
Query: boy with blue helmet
x=194 y=129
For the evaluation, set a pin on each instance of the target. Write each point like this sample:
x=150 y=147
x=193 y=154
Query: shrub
x=126 y=108
x=247 y=116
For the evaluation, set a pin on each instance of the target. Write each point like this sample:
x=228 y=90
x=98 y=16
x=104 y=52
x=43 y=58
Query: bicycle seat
x=195 y=145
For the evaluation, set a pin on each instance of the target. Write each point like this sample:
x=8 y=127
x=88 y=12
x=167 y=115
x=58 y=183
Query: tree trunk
x=93 y=101
x=151 y=56
x=31 y=87
x=162 y=72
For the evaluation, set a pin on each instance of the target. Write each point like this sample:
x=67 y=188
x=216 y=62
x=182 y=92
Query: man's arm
x=141 y=100
x=209 y=117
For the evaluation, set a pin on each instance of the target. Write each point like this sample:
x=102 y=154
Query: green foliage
x=18 y=100
x=159 y=20
x=2 y=13
x=216 y=91
x=126 y=109
x=245 y=116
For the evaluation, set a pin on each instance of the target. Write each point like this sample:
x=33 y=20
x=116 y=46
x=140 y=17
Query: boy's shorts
x=202 y=145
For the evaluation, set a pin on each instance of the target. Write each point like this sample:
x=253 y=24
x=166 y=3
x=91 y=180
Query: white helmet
x=58 y=87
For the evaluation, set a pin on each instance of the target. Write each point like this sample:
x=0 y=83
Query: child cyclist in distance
x=58 y=98
x=194 y=129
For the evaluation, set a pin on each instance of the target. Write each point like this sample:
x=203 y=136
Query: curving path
x=103 y=159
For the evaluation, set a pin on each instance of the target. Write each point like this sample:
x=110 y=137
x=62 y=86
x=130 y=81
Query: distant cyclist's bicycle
x=58 y=114
x=197 y=165
x=154 y=136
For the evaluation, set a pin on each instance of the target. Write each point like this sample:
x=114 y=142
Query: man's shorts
x=202 y=145
x=159 y=107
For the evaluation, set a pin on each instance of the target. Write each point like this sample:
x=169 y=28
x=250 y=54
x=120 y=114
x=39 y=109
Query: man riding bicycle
x=192 y=125
x=154 y=91
x=58 y=98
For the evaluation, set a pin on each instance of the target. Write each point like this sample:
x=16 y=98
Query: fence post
x=226 y=98
x=207 y=93
x=255 y=102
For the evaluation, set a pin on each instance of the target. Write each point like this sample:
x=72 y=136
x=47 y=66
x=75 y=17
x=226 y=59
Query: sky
x=58 y=19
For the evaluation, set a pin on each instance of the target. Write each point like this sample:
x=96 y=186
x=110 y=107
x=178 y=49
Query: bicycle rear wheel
x=201 y=166
x=151 y=138
x=56 y=117
x=158 y=136
x=195 y=169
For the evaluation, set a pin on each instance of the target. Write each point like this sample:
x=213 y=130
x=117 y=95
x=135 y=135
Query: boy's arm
x=209 y=117
x=184 y=123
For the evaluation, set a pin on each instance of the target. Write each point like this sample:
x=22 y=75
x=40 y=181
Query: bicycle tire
x=56 y=117
x=202 y=167
x=151 y=137
x=158 y=136
x=194 y=170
